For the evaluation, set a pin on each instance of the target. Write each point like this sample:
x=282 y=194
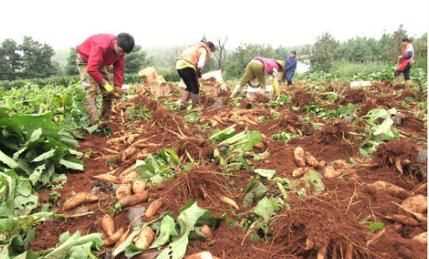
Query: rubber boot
x=106 y=107
x=195 y=99
x=184 y=100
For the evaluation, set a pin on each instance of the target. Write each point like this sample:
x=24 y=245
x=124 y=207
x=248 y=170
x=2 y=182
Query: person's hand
x=275 y=73
x=108 y=87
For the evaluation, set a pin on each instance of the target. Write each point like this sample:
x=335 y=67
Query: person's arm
x=408 y=54
x=202 y=59
x=95 y=61
x=118 y=71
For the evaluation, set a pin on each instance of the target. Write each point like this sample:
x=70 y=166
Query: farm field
x=323 y=171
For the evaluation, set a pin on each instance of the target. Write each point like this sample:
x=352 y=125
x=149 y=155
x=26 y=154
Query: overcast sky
x=161 y=23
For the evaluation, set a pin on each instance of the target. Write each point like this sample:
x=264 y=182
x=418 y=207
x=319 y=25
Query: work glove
x=108 y=87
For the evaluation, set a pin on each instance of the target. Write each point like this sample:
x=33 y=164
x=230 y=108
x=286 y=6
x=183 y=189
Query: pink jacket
x=269 y=64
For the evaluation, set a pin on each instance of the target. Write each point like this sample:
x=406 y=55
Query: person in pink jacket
x=258 y=68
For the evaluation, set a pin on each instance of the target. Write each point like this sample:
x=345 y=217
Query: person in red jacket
x=98 y=57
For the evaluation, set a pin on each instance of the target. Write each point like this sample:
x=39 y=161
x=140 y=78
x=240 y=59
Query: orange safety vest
x=192 y=54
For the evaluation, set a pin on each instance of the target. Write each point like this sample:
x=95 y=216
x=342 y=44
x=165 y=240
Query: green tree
x=323 y=53
x=71 y=67
x=36 y=59
x=421 y=51
x=10 y=60
x=359 y=50
x=136 y=60
x=389 y=44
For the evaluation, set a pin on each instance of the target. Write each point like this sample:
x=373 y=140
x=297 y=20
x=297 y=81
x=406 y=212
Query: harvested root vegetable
x=417 y=203
x=123 y=190
x=309 y=244
x=349 y=251
x=398 y=165
x=111 y=240
x=321 y=254
x=311 y=160
x=123 y=237
x=421 y=238
x=339 y=164
x=298 y=172
x=299 y=156
x=382 y=186
x=134 y=199
x=107 y=178
x=128 y=153
x=201 y=255
x=108 y=225
x=153 y=208
x=330 y=172
x=322 y=163
x=207 y=232
x=145 y=238
x=129 y=177
x=78 y=199
x=261 y=146
x=139 y=186
x=230 y=202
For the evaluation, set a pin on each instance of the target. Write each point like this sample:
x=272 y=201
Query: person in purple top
x=258 y=68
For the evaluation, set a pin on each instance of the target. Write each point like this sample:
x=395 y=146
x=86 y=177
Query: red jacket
x=97 y=51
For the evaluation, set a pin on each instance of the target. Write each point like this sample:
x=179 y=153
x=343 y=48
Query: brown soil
x=337 y=218
x=301 y=98
x=406 y=153
x=354 y=96
x=334 y=132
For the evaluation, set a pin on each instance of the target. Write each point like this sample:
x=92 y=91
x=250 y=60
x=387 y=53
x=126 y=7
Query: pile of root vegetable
x=323 y=171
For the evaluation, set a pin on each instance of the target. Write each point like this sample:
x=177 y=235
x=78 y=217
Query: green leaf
x=167 y=230
x=375 y=226
x=45 y=156
x=5 y=159
x=313 y=180
x=189 y=217
x=267 y=173
x=223 y=134
x=254 y=191
x=267 y=207
x=37 y=173
x=121 y=248
x=187 y=220
x=35 y=135
x=69 y=242
x=71 y=165
x=177 y=249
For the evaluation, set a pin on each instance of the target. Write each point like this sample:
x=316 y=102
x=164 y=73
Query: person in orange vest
x=405 y=60
x=189 y=66
x=101 y=63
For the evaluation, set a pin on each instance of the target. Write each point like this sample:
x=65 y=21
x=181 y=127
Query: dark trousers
x=189 y=76
x=406 y=72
